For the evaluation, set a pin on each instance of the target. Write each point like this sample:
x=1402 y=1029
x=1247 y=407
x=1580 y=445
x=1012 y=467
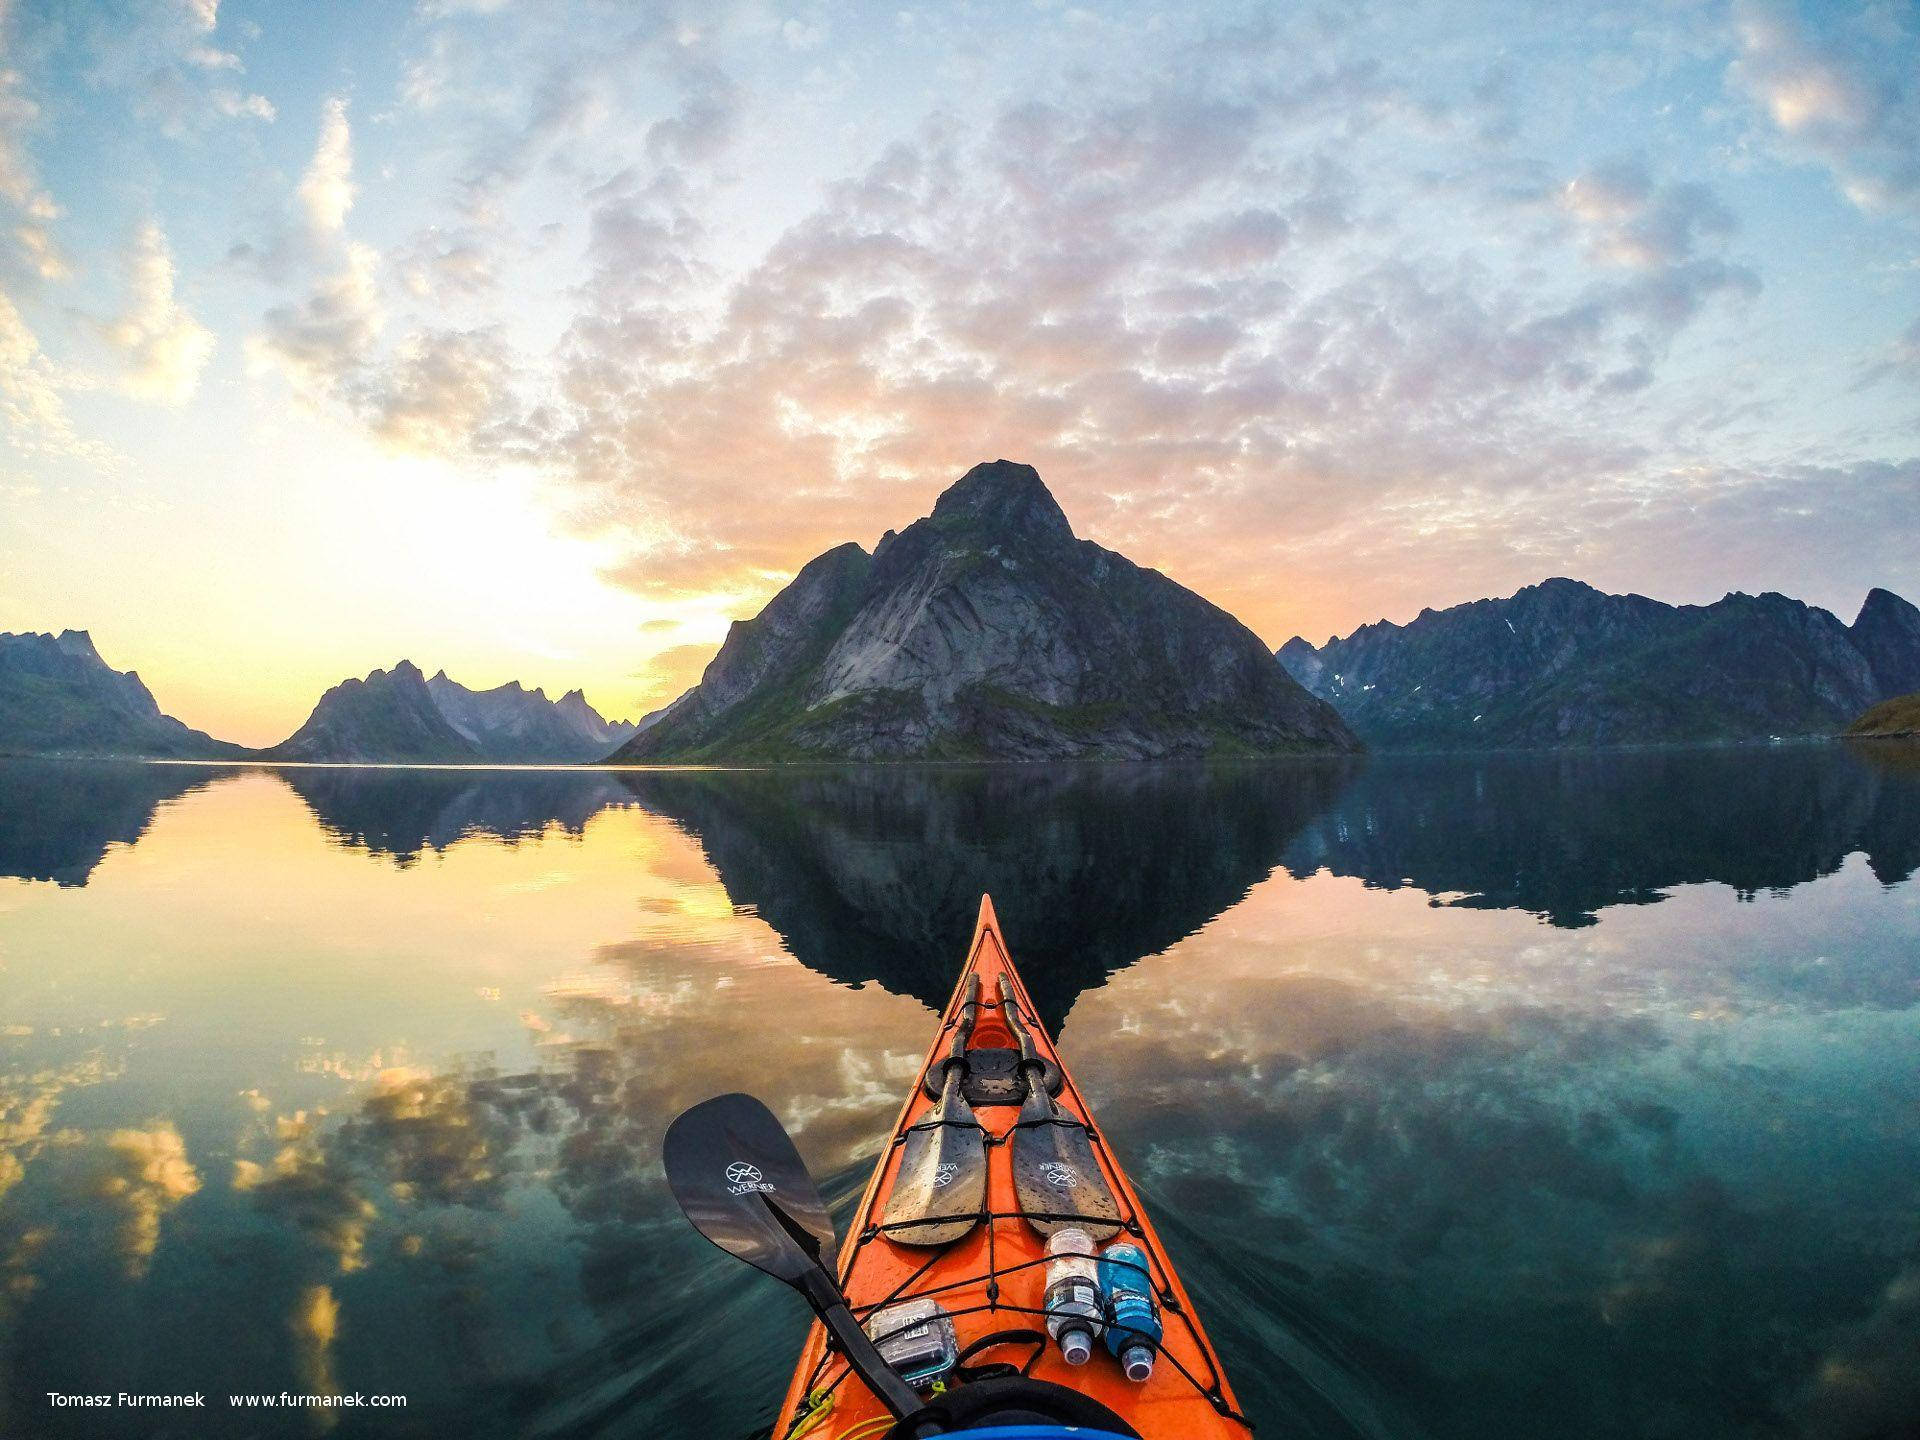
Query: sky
x=540 y=341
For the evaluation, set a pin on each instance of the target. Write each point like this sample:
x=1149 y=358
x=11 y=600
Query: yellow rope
x=866 y=1429
x=819 y=1404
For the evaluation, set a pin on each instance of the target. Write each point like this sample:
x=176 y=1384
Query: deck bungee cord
x=998 y=1249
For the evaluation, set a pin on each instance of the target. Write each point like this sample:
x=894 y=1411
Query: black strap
x=968 y=1373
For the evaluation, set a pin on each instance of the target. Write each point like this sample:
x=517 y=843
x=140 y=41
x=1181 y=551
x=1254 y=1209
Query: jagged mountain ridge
x=987 y=630
x=59 y=698
x=512 y=722
x=400 y=716
x=1561 y=663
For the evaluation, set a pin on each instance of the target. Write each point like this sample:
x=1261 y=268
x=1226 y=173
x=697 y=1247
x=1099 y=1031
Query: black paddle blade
x=940 y=1190
x=736 y=1174
x=1058 y=1180
x=1056 y=1176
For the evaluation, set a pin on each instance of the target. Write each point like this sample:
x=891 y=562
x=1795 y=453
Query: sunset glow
x=538 y=342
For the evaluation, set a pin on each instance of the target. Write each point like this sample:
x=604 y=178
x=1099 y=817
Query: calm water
x=1476 y=1097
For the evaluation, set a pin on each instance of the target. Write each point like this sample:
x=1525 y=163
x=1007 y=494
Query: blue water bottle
x=1133 y=1320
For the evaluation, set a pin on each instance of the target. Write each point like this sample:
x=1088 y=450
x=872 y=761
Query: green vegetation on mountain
x=1895 y=719
x=59 y=698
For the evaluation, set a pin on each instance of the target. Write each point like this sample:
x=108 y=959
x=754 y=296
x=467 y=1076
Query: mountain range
x=1561 y=663
x=58 y=697
x=988 y=631
x=400 y=715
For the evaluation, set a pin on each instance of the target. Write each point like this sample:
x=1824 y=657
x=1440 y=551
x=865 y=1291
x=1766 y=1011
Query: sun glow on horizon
x=536 y=343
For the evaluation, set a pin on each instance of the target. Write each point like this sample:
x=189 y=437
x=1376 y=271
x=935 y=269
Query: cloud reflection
x=138 y=1175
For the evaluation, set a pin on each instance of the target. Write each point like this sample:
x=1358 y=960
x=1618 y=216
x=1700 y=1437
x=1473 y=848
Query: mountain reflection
x=873 y=874
x=876 y=874
x=402 y=812
x=1564 y=835
x=58 y=818
x=394 y=1127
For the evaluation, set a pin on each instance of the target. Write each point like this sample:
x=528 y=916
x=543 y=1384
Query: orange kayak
x=992 y=1281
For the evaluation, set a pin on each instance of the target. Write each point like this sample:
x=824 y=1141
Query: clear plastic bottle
x=1133 y=1328
x=1074 y=1313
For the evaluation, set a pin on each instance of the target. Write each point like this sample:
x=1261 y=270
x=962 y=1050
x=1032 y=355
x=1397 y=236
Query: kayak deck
x=992 y=1280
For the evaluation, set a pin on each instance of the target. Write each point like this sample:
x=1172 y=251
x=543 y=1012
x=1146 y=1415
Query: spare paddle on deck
x=940 y=1190
x=743 y=1185
x=1056 y=1176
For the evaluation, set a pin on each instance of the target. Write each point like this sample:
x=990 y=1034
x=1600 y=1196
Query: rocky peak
x=986 y=630
x=1560 y=589
x=1885 y=607
x=59 y=697
x=1003 y=498
x=79 y=644
x=1563 y=663
x=1887 y=633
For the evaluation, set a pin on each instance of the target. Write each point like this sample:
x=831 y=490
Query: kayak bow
x=991 y=1280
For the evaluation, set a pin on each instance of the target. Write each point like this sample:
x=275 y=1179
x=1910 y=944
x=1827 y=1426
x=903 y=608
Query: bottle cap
x=1075 y=1346
x=1137 y=1361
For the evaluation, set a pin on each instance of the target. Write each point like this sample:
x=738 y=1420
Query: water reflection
x=57 y=819
x=400 y=813
x=877 y=874
x=273 y=1114
x=1510 y=1205
x=872 y=874
x=1565 y=835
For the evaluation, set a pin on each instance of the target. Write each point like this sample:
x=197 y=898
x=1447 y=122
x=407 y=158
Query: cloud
x=440 y=391
x=27 y=1103
x=236 y=104
x=706 y=123
x=32 y=401
x=162 y=56
x=1844 y=97
x=445 y=269
x=314 y=1324
x=1631 y=222
x=322 y=342
x=20 y=185
x=1255 y=314
x=432 y=1138
x=164 y=346
x=1065 y=289
x=311 y=1190
x=29 y=392
x=1235 y=241
x=140 y=1174
x=1898 y=361
x=1867 y=1383
x=671 y=672
x=326 y=188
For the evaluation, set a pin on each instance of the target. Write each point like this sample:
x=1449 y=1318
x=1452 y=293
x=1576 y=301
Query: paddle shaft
x=963 y=1032
x=1029 y=1056
x=863 y=1357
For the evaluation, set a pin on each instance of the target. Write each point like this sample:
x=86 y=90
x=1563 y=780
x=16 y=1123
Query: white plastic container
x=1075 y=1316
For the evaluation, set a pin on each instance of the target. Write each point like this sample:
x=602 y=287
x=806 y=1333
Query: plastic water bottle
x=1133 y=1320
x=1073 y=1305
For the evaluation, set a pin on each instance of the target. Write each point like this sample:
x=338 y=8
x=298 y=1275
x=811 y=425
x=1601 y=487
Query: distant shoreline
x=1396 y=753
